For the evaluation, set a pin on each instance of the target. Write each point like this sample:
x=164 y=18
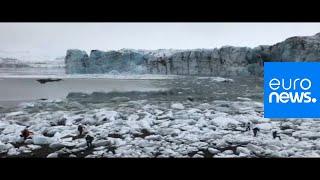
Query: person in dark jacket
x=248 y=126
x=89 y=140
x=255 y=131
x=275 y=135
x=80 y=129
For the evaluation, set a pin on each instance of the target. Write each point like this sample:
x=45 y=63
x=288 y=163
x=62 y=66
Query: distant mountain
x=20 y=59
x=12 y=63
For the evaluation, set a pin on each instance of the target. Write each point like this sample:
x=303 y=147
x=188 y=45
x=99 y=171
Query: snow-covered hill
x=12 y=63
x=20 y=59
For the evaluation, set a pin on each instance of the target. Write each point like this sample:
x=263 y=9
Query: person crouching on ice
x=26 y=134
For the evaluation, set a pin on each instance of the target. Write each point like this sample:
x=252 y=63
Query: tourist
x=89 y=140
x=80 y=129
x=255 y=131
x=25 y=134
x=275 y=135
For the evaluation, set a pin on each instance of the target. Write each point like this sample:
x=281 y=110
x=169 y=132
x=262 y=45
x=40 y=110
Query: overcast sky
x=53 y=39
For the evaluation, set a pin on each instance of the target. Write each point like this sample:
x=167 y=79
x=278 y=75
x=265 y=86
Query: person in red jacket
x=26 y=133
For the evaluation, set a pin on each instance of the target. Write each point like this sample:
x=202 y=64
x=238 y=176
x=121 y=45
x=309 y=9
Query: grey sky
x=53 y=39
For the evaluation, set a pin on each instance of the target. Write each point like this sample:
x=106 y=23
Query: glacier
x=224 y=61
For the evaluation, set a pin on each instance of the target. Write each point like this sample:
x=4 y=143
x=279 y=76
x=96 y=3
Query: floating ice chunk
x=133 y=117
x=11 y=138
x=279 y=154
x=107 y=115
x=169 y=152
x=158 y=112
x=204 y=106
x=59 y=145
x=264 y=126
x=200 y=145
x=26 y=105
x=33 y=147
x=306 y=134
x=153 y=138
x=243 y=99
x=287 y=125
x=257 y=119
x=197 y=156
x=64 y=132
x=53 y=155
x=133 y=126
x=69 y=120
x=243 y=150
x=238 y=139
x=255 y=148
x=311 y=154
x=272 y=147
x=227 y=152
x=120 y=99
x=13 y=152
x=168 y=115
x=3 y=147
x=217 y=79
x=18 y=113
x=72 y=156
x=101 y=143
x=213 y=151
x=222 y=155
x=178 y=106
x=148 y=107
x=242 y=118
x=243 y=155
x=41 y=140
x=194 y=110
x=24 y=149
x=81 y=144
x=224 y=121
x=13 y=128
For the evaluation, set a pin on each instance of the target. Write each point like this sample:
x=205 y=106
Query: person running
x=255 y=131
x=89 y=140
x=25 y=133
x=80 y=129
x=248 y=126
x=275 y=135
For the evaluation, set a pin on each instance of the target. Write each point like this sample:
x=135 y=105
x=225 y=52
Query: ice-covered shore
x=146 y=128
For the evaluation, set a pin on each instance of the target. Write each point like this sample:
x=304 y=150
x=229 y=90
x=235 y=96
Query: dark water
x=17 y=90
x=208 y=90
x=185 y=89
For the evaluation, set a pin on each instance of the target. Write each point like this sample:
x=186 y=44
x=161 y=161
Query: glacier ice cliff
x=224 y=61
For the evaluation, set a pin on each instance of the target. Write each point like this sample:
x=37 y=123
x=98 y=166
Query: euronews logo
x=291 y=90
